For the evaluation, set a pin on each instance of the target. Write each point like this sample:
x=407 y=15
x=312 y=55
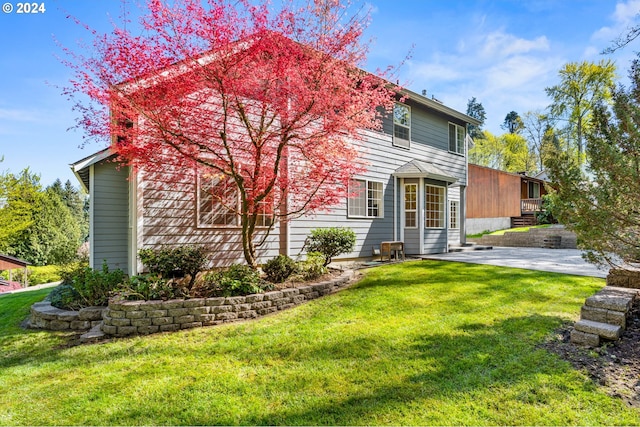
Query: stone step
x=94 y=334
x=603 y=315
x=610 y=301
x=584 y=339
x=604 y=330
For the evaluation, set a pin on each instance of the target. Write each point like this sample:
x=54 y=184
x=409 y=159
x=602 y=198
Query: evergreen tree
x=37 y=225
x=602 y=204
x=512 y=123
x=476 y=110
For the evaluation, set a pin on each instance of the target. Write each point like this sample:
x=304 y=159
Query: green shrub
x=64 y=297
x=279 y=268
x=67 y=272
x=93 y=286
x=545 y=216
x=331 y=242
x=237 y=280
x=148 y=287
x=313 y=267
x=175 y=262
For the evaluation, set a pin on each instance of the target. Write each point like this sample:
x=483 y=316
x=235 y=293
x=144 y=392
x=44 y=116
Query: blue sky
x=504 y=53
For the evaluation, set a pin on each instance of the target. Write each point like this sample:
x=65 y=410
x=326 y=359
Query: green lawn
x=429 y=343
x=510 y=230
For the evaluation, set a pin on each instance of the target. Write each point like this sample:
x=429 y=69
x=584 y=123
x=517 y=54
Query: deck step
x=604 y=330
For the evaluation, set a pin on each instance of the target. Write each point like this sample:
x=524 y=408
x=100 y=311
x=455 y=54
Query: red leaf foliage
x=272 y=100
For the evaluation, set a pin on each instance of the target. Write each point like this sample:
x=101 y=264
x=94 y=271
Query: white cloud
x=503 y=71
x=624 y=16
x=501 y=45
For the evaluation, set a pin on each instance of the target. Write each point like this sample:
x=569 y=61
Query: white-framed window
x=367 y=201
x=218 y=203
x=411 y=205
x=456 y=138
x=401 y=125
x=454 y=214
x=434 y=206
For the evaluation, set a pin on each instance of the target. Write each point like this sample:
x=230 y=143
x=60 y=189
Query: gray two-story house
x=413 y=192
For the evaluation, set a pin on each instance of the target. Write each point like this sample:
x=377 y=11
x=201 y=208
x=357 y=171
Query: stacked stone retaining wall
x=46 y=316
x=624 y=278
x=125 y=318
x=534 y=238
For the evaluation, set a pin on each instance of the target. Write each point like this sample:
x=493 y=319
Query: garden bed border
x=130 y=318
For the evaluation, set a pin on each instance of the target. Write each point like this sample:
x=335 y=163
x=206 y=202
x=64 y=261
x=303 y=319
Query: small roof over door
x=420 y=169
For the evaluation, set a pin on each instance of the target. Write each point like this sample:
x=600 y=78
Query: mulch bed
x=615 y=366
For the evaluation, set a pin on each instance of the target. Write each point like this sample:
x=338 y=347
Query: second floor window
x=401 y=125
x=456 y=138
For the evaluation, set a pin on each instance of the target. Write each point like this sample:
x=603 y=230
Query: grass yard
x=428 y=343
x=510 y=230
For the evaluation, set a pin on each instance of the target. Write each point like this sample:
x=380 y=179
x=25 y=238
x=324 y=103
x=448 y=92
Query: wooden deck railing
x=530 y=205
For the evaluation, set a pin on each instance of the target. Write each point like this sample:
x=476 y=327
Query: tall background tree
x=36 y=224
x=476 y=110
x=267 y=103
x=602 y=205
x=582 y=86
x=512 y=123
x=507 y=152
x=536 y=125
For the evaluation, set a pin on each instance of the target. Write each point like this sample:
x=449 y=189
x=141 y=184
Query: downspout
x=133 y=223
x=463 y=190
x=92 y=246
x=395 y=209
x=284 y=235
x=447 y=222
x=463 y=214
x=421 y=202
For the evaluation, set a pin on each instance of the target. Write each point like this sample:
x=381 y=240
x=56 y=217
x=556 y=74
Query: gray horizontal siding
x=435 y=241
x=169 y=219
x=110 y=199
x=382 y=159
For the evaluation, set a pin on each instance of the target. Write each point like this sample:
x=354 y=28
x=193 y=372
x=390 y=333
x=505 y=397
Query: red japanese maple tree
x=267 y=103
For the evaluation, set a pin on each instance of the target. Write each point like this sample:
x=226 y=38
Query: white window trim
x=443 y=212
x=366 y=206
x=200 y=224
x=410 y=210
x=459 y=143
x=235 y=226
x=455 y=203
x=401 y=142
